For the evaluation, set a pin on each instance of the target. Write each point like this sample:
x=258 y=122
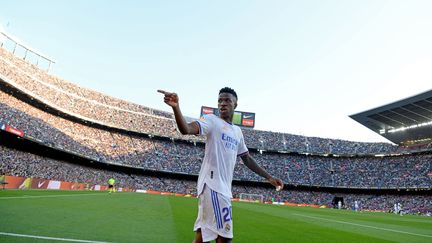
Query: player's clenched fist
x=277 y=183
x=170 y=99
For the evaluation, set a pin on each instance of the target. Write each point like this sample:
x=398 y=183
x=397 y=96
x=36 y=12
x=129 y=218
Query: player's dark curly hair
x=229 y=91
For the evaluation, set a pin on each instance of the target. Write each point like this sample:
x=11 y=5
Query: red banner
x=153 y=192
x=39 y=183
x=207 y=110
x=64 y=185
x=17 y=182
x=248 y=123
x=13 y=130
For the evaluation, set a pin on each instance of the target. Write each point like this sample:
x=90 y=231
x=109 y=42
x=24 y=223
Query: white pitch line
x=49 y=238
x=363 y=225
x=69 y=195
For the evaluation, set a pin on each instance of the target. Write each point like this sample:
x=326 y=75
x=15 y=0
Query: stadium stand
x=20 y=163
x=100 y=129
x=184 y=157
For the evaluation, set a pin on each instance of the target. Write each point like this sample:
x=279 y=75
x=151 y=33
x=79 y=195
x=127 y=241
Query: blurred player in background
x=111 y=187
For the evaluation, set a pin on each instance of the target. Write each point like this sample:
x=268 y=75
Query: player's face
x=226 y=104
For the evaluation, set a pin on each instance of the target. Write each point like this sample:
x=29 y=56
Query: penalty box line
x=49 y=238
x=363 y=225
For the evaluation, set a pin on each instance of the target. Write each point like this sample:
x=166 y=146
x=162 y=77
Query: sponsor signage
x=240 y=118
x=207 y=110
x=13 y=130
x=39 y=183
x=55 y=185
x=17 y=182
x=248 y=123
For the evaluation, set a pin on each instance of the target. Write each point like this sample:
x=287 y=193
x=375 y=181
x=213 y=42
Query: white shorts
x=214 y=215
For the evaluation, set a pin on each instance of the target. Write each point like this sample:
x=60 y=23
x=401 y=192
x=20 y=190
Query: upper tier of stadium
x=406 y=121
x=105 y=110
x=98 y=108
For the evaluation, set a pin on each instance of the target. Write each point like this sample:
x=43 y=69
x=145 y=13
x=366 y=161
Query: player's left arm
x=253 y=165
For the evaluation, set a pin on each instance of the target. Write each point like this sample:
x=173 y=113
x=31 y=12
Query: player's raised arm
x=253 y=165
x=172 y=100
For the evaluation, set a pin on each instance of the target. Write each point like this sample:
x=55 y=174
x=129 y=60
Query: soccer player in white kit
x=224 y=142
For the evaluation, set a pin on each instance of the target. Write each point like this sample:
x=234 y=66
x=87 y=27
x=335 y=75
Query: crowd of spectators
x=161 y=147
x=16 y=163
x=185 y=157
x=94 y=106
x=384 y=202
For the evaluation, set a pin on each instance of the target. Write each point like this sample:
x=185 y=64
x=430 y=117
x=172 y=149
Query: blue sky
x=302 y=66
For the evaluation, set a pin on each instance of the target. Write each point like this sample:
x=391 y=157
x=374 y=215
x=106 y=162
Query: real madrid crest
x=227 y=227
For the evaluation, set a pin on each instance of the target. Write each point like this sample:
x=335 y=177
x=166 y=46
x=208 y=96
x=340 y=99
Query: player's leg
x=198 y=237
x=222 y=211
x=209 y=224
x=198 y=222
x=221 y=239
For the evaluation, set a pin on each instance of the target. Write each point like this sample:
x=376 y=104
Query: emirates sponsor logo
x=248 y=122
x=208 y=111
x=14 y=131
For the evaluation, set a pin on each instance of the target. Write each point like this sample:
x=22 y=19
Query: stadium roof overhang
x=402 y=122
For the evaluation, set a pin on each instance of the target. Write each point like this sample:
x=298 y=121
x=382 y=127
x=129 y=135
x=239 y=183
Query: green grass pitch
x=135 y=217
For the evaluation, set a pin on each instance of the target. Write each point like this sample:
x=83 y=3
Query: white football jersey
x=224 y=142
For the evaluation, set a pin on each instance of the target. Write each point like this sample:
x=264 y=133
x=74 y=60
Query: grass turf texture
x=135 y=217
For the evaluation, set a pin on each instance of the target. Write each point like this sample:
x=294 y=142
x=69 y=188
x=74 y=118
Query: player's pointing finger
x=162 y=91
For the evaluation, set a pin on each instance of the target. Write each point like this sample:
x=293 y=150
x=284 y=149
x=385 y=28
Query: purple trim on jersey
x=216 y=209
x=219 y=216
x=199 y=128
x=219 y=211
